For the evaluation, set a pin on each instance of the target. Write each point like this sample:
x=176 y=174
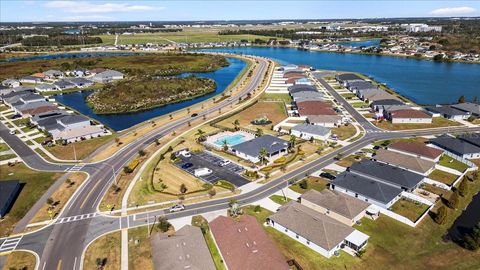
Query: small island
x=139 y=94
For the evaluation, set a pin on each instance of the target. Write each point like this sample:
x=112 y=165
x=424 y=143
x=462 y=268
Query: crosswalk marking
x=76 y=168
x=76 y=218
x=10 y=244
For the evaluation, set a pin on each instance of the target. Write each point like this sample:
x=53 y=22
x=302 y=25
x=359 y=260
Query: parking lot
x=230 y=172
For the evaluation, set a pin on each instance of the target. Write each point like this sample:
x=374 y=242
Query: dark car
x=16 y=116
x=327 y=175
x=194 y=114
x=187 y=165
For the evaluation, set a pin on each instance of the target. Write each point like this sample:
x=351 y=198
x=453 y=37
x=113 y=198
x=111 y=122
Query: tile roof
x=416 y=148
x=387 y=173
x=245 y=245
x=405 y=161
x=337 y=202
x=367 y=187
x=186 y=249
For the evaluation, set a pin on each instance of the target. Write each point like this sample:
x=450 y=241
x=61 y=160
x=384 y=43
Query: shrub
x=453 y=201
x=133 y=164
x=163 y=224
x=212 y=192
x=303 y=184
x=127 y=169
x=183 y=188
x=441 y=215
x=280 y=160
x=463 y=188
x=257 y=209
x=267 y=169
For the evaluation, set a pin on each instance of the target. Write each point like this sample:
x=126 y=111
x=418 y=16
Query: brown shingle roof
x=314 y=107
x=184 y=250
x=245 y=245
x=318 y=228
x=407 y=113
x=404 y=161
x=416 y=148
x=337 y=202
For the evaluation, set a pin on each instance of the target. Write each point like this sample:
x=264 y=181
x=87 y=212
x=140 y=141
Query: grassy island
x=142 y=93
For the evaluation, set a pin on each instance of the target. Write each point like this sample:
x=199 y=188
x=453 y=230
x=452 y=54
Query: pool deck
x=211 y=141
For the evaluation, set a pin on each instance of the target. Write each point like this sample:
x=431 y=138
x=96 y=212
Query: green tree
x=141 y=153
x=461 y=99
x=263 y=153
x=453 y=201
x=236 y=124
x=292 y=141
x=201 y=135
x=463 y=188
x=225 y=145
x=441 y=215
x=259 y=132
x=472 y=240
x=257 y=209
x=163 y=225
x=303 y=184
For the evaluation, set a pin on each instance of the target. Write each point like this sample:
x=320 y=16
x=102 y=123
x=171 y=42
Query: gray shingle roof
x=80 y=81
x=307 y=95
x=473 y=138
x=8 y=189
x=64 y=84
x=454 y=145
x=367 y=187
x=387 y=102
x=348 y=77
x=445 y=110
x=468 y=107
x=311 y=129
x=337 y=202
x=186 y=249
x=72 y=119
x=300 y=88
x=318 y=228
x=387 y=173
x=252 y=147
x=360 y=85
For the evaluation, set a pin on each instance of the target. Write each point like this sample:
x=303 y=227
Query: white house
x=308 y=131
x=250 y=150
x=11 y=83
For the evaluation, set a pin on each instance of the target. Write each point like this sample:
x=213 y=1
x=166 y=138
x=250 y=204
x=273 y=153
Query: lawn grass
x=436 y=122
x=7 y=157
x=82 y=148
x=348 y=95
x=409 y=209
x=436 y=190
x=452 y=163
x=349 y=160
x=106 y=247
x=279 y=199
x=443 y=177
x=4 y=147
x=20 y=260
x=201 y=222
x=359 y=104
x=35 y=183
x=344 y=132
x=316 y=183
x=140 y=253
x=276 y=97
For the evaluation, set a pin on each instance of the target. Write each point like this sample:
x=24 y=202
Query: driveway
x=230 y=172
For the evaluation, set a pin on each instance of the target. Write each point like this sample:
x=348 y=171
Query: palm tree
x=259 y=132
x=225 y=145
x=292 y=141
x=236 y=124
x=201 y=135
x=263 y=155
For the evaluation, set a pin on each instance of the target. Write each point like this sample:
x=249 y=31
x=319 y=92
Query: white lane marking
x=10 y=244
x=44 y=263
x=75 y=263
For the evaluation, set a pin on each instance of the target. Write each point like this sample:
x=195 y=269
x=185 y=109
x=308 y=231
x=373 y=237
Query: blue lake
x=66 y=55
x=365 y=43
x=223 y=77
x=424 y=82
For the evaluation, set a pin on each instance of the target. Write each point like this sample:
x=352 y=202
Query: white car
x=224 y=163
x=202 y=172
x=185 y=153
x=12 y=132
x=176 y=208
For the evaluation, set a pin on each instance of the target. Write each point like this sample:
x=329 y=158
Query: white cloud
x=88 y=7
x=453 y=11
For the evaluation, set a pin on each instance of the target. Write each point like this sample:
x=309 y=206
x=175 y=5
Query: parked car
x=16 y=116
x=187 y=165
x=176 y=208
x=224 y=163
x=185 y=153
x=327 y=175
x=194 y=114
x=12 y=132
x=202 y=172
x=46 y=142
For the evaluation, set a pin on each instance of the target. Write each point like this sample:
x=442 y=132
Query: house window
x=356 y=195
x=366 y=200
x=308 y=242
x=286 y=230
x=296 y=236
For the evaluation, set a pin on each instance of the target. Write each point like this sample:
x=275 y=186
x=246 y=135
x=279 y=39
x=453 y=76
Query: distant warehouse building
x=8 y=192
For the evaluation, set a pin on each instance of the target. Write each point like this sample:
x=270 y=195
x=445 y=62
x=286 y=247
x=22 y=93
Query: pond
x=466 y=221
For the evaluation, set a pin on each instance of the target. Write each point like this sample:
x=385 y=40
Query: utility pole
x=74 y=152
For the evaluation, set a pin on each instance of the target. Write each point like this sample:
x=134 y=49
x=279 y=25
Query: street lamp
x=113 y=171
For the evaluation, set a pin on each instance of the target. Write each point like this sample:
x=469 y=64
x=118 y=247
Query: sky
x=114 y=10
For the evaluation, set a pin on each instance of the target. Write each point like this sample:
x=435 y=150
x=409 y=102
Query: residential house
x=80 y=82
x=315 y=230
x=306 y=95
x=409 y=116
x=367 y=189
x=386 y=109
x=186 y=249
x=244 y=245
x=107 y=76
x=63 y=84
x=407 y=162
x=355 y=86
x=416 y=149
x=448 y=112
x=472 y=138
x=11 y=83
x=44 y=87
x=347 y=77
x=33 y=108
x=31 y=79
x=9 y=190
x=96 y=71
x=472 y=108
x=325 y=120
x=43 y=120
x=301 y=88
x=53 y=74
x=315 y=107
x=302 y=81
x=388 y=174
x=250 y=150
x=377 y=105
x=458 y=147
x=339 y=206
x=309 y=131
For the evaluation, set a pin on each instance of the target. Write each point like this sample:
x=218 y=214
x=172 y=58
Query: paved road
x=61 y=244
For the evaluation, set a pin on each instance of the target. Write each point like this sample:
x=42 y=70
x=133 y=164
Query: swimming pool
x=231 y=139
